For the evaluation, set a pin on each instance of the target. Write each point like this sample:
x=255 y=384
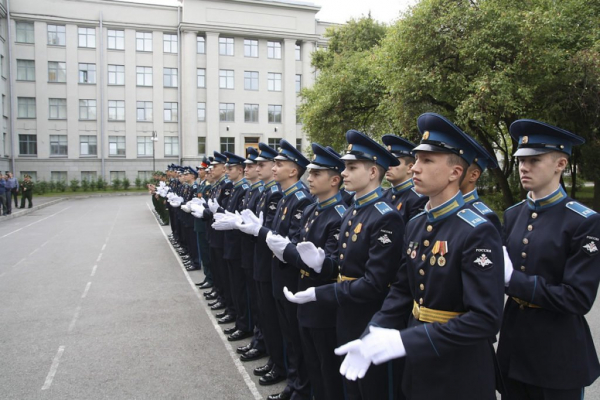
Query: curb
x=26 y=211
x=89 y=196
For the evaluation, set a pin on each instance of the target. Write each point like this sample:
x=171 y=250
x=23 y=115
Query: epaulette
x=226 y=180
x=513 y=206
x=274 y=188
x=415 y=192
x=245 y=186
x=580 y=209
x=300 y=195
x=261 y=189
x=471 y=218
x=340 y=209
x=195 y=186
x=482 y=208
x=383 y=207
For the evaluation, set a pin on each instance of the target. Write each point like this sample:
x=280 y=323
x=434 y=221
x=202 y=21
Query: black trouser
x=26 y=195
x=15 y=195
x=174 y=223
x=297 y=374
x=221 y=279
x=269 y=325
x=3 y=209
x=378 y=383
x=191 y=239
x=8 y=201
x=522 y=391
x=321 y=362
x=258 y=340
x=239 y=295
x=204 y=251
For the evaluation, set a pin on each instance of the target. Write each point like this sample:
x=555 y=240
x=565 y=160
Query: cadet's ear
x=456 y=173
x=561 y=164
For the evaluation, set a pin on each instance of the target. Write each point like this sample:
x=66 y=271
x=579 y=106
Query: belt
x=342 y=278
x=523 y=303
x=304 y=273
x=425 y=314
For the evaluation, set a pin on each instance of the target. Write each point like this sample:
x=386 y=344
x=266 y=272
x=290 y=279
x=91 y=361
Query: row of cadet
x=354 y=292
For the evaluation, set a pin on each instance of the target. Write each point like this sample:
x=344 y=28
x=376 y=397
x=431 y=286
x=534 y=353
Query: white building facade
x=119 y=89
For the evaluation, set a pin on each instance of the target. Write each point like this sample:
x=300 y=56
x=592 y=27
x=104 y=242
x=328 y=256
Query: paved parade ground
x=94 y=304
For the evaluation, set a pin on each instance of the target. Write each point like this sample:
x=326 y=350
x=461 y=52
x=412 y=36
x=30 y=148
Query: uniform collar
x=368 y=198
x=270 y=184
x=240 y=182
x=471 y=197
x=330 y=201
x=404 y=186
x=552 y=199
x=221 y=179
x=256 y=185
x=445 y=210
x=294 y=188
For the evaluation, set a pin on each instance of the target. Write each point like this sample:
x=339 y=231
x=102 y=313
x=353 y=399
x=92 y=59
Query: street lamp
x=154 y=139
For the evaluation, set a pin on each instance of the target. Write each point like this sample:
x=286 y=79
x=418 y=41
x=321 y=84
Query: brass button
x=349 y=223
x=423 y=257
x=529 y=228
x=394 y=197
x=522 y=268
x=341 y=256
x=347 y=234
x=429 y=228
x=304 y=239
x=354 y=212
x=525 y=241
x=524 y=255
x=534 y=215
x=307 y=229
x=316 y=213
x=344 y=245
x=422 y=287
x=426 y=243
x=421 y=301
x=421 y=272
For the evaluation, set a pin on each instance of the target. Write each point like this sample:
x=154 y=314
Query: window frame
x=203 y=109
x=60 y=105
x=56 y=69
x=118 y=71
x=173 y=78
x=171 y=142
x=226 y=79
x=274 y=81
x=28 y=142
x=227 y=47
x=201 y=76
x=274 y=50
x=250 y=81
x=26 y=67
x=251 y=110
x=146 y=110
x=57 y=33
x=146 y=40
x=251 y=48
x=31 y=101
x=115 y=37
x=172 y=111
x=116 y=106
x=86 y=72
x=89 y=34
x=272 y=113
x=27 y=32
x=85 y=107
x=120 y=143
x=146 y=76
x=58 y=144
x=92 y=143
x=225 y=111
x=171 y=43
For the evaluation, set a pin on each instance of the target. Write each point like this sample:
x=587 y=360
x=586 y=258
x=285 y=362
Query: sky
x=342 y=10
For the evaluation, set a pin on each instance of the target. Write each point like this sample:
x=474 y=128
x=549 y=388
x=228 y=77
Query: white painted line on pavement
x=87 y=288
x=234 y=356
x=94 y=270
x=74 y=320
x=53 y=368
x=33 y=223
x=45 y=243
x=99 y=257
x=104 y=246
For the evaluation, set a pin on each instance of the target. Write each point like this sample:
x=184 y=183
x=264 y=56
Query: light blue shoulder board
x=418 y=194
x=482 y=208
x=383 y=207
x=513 y=206
x=274 y=188
x=580 y=209
x=340 y=210
x=261 y=188
x=226 y=180
x=245 y=186
x=471 y=218
x=300 y=195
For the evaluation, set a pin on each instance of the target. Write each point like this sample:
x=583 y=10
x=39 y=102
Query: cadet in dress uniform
x=320 y=226
x=451 y=279
x=402 y=194
x=369 y=250
x=190 y=188
x=483 y=160
x=546 y=349
x=203 y=192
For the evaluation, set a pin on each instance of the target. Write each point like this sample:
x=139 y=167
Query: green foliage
x=138 y=183
x=40 y=187
x=101 y=184
x=116 y=184
x=85 y=185
x=93 y=184
x=74 y=185
x=126 y=183
x=61 y=186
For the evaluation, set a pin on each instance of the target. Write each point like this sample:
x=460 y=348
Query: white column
x=189 y=98
x=212 y=93
x=289 y=91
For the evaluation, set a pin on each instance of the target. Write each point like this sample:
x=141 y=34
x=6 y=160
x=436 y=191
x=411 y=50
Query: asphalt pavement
x=94 y=304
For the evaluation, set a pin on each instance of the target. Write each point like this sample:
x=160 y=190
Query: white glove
x=311 y=255
x=213 y=205
x=382 y=344
x=186 y=207
x=302 y=297
x=196 y=200
x=197 y=208
x=226 y=222
x=277 y=244
x=508 y=267
x=250 y=217
x=251 y=225
x=355 y=365
x=170 y=195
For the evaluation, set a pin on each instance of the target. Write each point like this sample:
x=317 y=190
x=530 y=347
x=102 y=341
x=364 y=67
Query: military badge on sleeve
x=590 y=248
x=384 y=239
x=483 y=261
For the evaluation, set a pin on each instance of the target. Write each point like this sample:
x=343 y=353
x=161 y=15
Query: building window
x=228 y=144
x=226 y=79
x=144 y=76
x=201 y=72
x=58 y=109
x=298 y=83
x=171 y=146
x=250 y=112
x=250 y=80
x=143 y=41
x=24 y=32
x=28 y=145
x=116 y=74
x=144 y=145
x=87 y=73
x=57 y=72
x=200 y=45
x=116 y=145
x=169 y=43
x=250 y=48
x=299 y=145
x=274 y=112
x=144 y=110
x=170 y=77
x=87 y=37
x=88 y=176
x=274 y=142
x=201 y=146
x=117 y=175
x=116 y=110
x=58 y=176
x=116 y=40
x=226 y=46
x=145 y=176
x=226 y=112
x=57 y=35
x=87 y=109
x=274 y=50
x=298 y=52
x=201 y=112
x=26 y=107
x=58 y=145
x=274 y=82
x=25 y=70
x=170 y=112
x=88 y=145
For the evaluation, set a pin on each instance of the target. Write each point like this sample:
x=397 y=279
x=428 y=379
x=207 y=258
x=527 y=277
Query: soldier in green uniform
x=26 y=191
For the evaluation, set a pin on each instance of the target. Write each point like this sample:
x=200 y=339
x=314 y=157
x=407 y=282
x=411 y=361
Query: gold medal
x=442 y=261
x=432 y=260
x=413 y=254
x=354 y=237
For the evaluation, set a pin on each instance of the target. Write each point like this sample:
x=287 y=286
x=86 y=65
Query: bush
x=101 y=184
x=85 y=185
x=40 y=187
x=52 y=186
x=74 y=185
x=61 y=186
x=93 y=185
x=126 y=183
x=138 y=183
x=116 y=184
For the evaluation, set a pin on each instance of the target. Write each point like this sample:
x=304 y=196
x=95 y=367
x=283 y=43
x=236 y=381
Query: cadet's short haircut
x=333 y=173
x=559 y=154
x=408 y=159
x=454 y=159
